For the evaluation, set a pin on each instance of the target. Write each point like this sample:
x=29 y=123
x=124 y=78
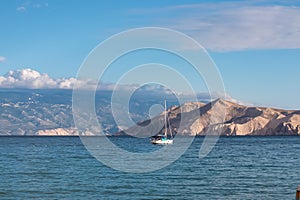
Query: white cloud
x=31 y=79
x=66 y=83
x=2 y=59
x=28 y=78
x=207 y=97
x=21 y=8
x=29 y=5
x=236 y=25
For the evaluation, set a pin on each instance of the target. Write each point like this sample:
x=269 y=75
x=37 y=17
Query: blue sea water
x=237 y=168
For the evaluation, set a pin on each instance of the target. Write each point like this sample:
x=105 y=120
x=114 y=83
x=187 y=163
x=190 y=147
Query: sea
x=236 y=168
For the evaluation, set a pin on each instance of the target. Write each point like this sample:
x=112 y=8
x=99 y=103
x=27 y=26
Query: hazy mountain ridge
x=24 y=112
x=239 y=120
x=49 y=111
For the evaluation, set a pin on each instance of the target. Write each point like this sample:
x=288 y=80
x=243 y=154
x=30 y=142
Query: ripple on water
x=237 y=168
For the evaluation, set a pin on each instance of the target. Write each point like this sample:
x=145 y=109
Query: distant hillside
x=239 y=120
x=49 y=111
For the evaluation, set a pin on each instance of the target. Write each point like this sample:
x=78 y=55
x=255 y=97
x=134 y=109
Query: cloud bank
x=31 y=79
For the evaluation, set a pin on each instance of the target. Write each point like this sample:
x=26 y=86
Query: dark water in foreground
x=237 y=168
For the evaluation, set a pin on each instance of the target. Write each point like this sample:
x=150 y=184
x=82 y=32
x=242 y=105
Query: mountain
x=49 y=111
x=238 y=120
x=33 y=103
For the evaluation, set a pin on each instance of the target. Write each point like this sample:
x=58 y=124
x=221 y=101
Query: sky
x=255 y=44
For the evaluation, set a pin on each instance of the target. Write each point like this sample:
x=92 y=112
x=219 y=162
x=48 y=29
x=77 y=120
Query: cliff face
x=203 y=119
x=58 y=132
x=62 y=132
x=243 y=120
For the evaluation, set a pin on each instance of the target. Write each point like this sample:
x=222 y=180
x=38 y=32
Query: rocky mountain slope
x=203 y=119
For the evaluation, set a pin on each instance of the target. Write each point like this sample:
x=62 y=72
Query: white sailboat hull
x=162 y=142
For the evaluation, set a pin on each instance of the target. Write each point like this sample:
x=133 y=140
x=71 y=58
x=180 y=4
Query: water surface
x=237 y=168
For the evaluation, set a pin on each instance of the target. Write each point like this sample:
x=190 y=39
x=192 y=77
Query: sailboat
x=163 y=139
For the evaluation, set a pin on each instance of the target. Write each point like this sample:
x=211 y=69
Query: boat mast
x=170 y=129
x=166 y=130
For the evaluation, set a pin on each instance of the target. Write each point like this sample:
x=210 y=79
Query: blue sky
x=255 y=44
